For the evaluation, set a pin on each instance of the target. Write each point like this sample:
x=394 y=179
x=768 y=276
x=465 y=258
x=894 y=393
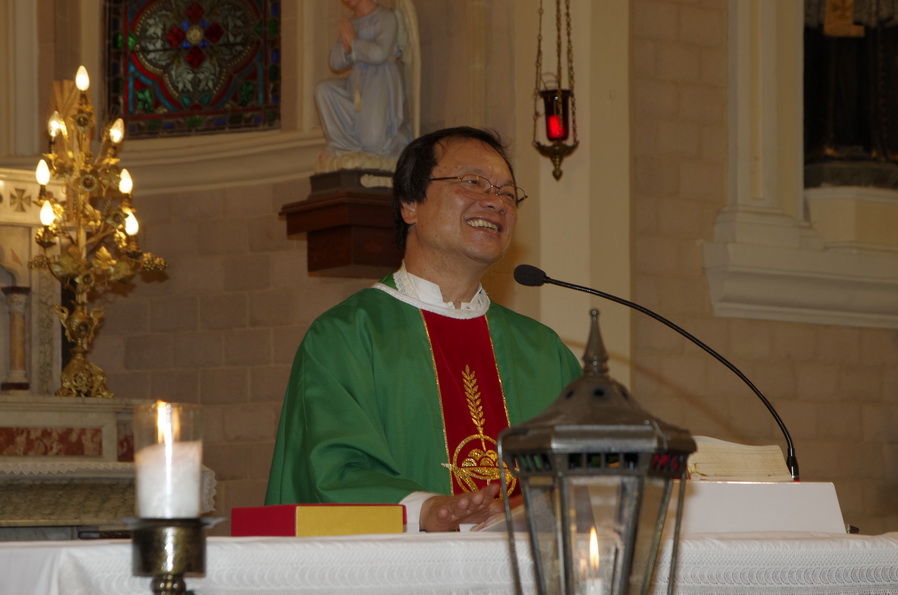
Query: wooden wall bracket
x=348 y=220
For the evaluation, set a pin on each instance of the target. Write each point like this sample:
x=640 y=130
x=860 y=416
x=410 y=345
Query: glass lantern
x=597 y=474
x=556 y=103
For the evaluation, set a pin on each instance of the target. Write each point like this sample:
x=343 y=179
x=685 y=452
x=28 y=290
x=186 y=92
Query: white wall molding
x=209 y=162
x=797 y=278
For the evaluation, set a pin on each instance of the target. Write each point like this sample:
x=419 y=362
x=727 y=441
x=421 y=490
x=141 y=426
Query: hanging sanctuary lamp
x=559 y=105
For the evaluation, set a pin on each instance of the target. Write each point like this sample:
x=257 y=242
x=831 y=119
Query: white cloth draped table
x=475 y=563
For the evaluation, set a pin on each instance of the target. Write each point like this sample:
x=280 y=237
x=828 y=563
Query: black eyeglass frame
x=490 y=186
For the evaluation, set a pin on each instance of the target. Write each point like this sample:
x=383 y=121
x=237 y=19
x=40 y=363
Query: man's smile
x=483 y=223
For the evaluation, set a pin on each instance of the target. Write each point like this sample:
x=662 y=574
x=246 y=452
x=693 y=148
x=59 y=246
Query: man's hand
x=446 y=513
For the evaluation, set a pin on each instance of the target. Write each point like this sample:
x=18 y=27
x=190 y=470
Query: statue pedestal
x=348 y=219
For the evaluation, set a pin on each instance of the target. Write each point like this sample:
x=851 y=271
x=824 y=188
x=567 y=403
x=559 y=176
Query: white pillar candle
x=168 y=460
x=169 y=480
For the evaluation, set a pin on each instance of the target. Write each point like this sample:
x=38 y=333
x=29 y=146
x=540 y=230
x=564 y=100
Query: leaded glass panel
x=181 y=67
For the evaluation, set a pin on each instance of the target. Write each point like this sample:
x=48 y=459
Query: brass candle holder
x=168 y=550
x=168 y=539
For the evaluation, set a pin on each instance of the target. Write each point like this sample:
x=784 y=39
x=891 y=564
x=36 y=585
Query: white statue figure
x=367 y=116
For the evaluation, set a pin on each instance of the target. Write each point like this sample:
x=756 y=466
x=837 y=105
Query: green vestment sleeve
x=361 y=419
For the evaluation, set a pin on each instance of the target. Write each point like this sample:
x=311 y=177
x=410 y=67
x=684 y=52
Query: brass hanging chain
x=570 y=64
x=539 y=67
x=558 y=73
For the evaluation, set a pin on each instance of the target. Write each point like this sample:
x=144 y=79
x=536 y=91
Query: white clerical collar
x=425 y=291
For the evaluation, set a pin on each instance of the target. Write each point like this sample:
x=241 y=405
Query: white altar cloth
x=475 y=563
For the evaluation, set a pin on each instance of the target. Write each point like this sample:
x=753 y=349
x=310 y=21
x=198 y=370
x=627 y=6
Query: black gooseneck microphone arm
x=526 y=274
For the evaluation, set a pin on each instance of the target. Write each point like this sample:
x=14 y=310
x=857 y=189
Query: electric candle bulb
x=55 y=125
x=42 y=173
x=131 y=224
x=82 y=81
x=117 y=131
x=47 y=214
x=125 y=184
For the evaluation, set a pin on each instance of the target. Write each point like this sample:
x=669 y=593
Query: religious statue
x=366 y=116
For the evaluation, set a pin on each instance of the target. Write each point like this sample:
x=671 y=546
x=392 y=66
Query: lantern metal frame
x=593 y=434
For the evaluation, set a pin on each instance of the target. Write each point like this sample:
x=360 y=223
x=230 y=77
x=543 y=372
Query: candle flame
x=593 y=549
x=164 y=423
x=556 y=128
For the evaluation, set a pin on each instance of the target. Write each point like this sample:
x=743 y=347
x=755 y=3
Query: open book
x=713 y=460
x=718 y=460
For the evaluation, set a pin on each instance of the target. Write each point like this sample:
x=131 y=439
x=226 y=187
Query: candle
x=555 y=127
x=168 y=480
x=168 y=461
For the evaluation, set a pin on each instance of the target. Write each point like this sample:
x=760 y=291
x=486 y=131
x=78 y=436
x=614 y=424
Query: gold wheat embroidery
x=472 y=394
x=470 y=464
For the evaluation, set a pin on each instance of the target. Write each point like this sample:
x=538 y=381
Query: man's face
x=454 y=225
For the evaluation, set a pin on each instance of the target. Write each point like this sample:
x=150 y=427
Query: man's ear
x=410 y=212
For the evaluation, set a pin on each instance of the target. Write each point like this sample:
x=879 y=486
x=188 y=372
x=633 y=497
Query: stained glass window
x=181 y=67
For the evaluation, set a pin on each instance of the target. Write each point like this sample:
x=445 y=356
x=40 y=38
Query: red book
x=317 y=520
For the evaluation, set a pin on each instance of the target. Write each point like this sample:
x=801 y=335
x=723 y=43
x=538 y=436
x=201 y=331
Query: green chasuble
x=361 y=419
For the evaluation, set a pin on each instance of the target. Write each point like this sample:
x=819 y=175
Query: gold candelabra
x=89 y=236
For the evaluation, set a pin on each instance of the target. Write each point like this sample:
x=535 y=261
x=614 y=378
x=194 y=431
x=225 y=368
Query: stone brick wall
x=223 y=328
x=835 y=387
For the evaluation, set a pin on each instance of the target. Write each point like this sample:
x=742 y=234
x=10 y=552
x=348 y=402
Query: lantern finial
x=595 y=358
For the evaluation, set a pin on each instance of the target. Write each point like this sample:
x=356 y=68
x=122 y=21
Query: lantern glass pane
x=649 y=529
x=556 y=103
x=542 y=505
x=599 y=514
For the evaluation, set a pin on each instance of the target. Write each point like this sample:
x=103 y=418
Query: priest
x=398 y=394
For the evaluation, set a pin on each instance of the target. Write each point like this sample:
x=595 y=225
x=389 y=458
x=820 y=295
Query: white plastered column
x=581 y=230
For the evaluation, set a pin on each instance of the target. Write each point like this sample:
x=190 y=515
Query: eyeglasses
x=473 y=184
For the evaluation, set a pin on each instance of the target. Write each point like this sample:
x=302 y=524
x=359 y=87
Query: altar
x=477 y=563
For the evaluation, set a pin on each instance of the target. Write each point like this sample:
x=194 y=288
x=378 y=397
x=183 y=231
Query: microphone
x=531 y=276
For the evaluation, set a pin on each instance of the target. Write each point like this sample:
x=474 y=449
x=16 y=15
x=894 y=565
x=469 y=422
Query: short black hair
x=415 y=167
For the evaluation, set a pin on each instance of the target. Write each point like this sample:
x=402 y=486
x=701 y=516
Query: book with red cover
x=317 y=520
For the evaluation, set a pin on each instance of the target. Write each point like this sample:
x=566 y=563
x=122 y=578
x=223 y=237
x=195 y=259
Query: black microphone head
x=529 y=275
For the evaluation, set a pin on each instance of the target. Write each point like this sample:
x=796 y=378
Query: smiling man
x=398 y=394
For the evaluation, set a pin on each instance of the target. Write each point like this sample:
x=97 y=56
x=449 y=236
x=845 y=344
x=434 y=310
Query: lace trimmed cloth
x=66 y=490
x=474 y=563
x=793 y=563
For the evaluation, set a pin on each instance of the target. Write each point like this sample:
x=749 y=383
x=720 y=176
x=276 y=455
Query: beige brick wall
x=835 y=387
x=222 y=328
